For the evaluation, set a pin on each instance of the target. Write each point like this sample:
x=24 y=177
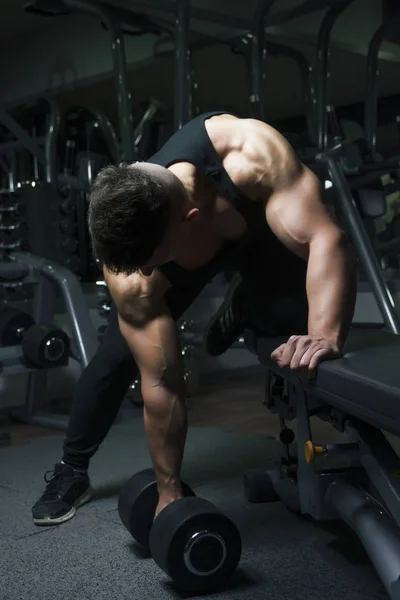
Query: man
x=223 y=193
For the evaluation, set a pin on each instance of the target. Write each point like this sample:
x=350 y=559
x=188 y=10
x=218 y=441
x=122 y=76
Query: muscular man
x=223 y=193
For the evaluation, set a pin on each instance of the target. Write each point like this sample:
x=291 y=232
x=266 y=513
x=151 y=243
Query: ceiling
x=226 y=18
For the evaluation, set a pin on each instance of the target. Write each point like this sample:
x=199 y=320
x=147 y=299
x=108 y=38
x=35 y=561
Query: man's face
x=166 y=250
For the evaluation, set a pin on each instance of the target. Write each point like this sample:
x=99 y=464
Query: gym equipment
x=322 y=71
x=110 y=17
x=334 y=161
x=371 y=92
x=13 y=324
x=193 y=542
x=245 y=45
x=259 y=486
x=358 y=394
x=46 y=346
x=137 y=505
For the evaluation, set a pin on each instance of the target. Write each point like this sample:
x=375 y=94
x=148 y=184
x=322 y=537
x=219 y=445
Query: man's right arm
x=151 y=334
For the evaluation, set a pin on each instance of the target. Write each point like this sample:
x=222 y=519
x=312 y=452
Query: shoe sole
x=86 y=497
x=216 y=317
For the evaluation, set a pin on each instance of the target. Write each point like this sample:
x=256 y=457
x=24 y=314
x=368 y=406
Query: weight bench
x=359 y=395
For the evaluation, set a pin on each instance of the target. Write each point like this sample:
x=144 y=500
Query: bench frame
x=365 y=493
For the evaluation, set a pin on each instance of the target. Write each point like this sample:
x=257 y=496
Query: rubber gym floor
x=93 y=556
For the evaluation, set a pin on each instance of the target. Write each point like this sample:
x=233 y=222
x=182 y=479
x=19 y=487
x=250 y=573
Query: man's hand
x=304 y=353
x=164 y=501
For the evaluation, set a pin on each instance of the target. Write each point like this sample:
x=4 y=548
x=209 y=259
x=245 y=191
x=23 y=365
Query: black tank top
x=192 y=144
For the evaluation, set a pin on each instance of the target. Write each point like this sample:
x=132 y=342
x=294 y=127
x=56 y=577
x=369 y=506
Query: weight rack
x=46 y=277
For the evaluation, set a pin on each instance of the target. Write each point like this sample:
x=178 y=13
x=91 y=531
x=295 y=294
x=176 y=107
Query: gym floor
x=93 y=555
x=234 y=405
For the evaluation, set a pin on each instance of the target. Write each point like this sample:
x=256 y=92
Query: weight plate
x=259 y=486
x=46 y=345
x=195 y=544
x=13 y=323
x=137 y=505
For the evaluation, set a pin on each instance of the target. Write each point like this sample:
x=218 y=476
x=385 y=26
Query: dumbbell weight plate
x=137 y=505
x=195 y=544
x=67 y=227
x=45 y=345
x=13 y=323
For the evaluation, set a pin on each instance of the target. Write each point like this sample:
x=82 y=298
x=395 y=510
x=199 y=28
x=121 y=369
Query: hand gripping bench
x=359 y=395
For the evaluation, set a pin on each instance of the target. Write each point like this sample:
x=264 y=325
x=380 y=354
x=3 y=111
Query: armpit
x=137 y=293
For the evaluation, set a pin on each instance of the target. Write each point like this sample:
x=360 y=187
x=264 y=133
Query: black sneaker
x=66 y=491
x=227 y=325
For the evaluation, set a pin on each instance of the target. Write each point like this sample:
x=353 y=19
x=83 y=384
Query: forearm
x=165 y=419
x=155 y=346
x=331 y=288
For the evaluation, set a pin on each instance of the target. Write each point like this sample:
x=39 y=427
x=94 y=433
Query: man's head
x=137 y=216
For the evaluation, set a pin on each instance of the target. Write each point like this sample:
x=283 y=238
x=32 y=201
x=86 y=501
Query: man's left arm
x=298 y=216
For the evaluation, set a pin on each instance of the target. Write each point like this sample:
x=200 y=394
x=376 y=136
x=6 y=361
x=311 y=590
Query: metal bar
x=229 y=20
x=362 y=243
x=307 y=84
x=307 y=477
x=107 y=130
x=257 y=56
x=11 y=172
x=182 y=65
x=51 y=139
x=108 y=17
x=374 y=527
x=380 y=462
x=151 y=111
x=371 y=93
x=322 y=71
x=8 y=147
x=15 y=128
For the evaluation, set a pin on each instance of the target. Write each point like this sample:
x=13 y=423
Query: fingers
x=294 y=351
x=276 y=354
x=302 y=354
x=316 y=358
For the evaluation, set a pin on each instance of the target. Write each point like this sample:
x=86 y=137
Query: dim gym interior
x=289 y=484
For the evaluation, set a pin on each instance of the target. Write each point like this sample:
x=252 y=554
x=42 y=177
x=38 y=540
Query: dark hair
x=128 y=216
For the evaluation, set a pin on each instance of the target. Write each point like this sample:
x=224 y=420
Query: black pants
x=276 y=301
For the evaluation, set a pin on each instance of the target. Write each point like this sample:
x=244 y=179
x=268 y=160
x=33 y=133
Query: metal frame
x=322 y=71
x=309 y=485
x=238 y=23
x=371 y=88
x=365 y=251
x=23 y=136
x=182 y=109
x=257 y=57
x=276 y=50
x=307 y=83
x=47 y=157
x=47 y=276
x=109 y=18
x=51 y=139
x=107 y=130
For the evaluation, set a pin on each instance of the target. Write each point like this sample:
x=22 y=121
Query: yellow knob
x=311 y=451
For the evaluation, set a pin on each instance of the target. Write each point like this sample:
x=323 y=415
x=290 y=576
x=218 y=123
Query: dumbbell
x=13 y=324
x=193 y=542
x=45 y=345
x=69 y=244
x=68 y=227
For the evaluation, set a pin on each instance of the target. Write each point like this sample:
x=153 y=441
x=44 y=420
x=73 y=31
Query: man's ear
x=193 y=213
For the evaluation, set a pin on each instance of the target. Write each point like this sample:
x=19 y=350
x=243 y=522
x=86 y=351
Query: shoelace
x=53 y=479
